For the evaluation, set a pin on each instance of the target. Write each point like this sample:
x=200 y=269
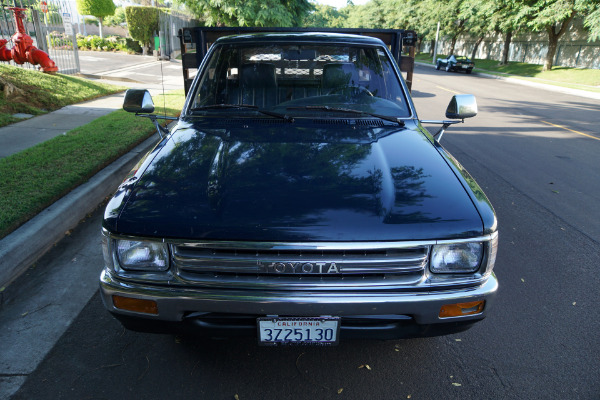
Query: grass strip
x=33 y=92
x=33 y=179
x=576 y=78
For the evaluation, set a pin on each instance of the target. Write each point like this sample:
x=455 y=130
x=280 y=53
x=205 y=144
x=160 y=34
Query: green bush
x=142 y=22
x=111 y=43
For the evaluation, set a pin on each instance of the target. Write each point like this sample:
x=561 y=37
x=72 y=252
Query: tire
x=468 y=71
x=437 y=65
x=448 y=68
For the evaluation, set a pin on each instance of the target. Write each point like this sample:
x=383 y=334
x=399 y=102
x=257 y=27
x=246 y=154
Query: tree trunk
x=453 y=44
x=100 y=26
x=477 y=43
x=506 y=48
x=553 y=37
x=552 y=46
x=432 y=47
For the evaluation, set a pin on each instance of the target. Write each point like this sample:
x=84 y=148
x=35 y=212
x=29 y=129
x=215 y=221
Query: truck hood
x=366 y=184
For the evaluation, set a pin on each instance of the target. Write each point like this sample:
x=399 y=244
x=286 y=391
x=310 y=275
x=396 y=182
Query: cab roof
x=316 y=37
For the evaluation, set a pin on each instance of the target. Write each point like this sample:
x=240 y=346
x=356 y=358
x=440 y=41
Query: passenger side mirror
x=462 y=106
x=138 y=101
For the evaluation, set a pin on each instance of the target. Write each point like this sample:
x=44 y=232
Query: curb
x=29 y=242
x=525 y=82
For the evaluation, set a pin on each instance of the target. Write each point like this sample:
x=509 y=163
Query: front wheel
x=448 y=68
x=437 y=66
x=469 y=71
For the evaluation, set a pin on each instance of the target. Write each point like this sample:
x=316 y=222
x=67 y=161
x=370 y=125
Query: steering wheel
x=351 y=90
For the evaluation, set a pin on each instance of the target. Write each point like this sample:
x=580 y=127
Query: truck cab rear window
x=281 y=77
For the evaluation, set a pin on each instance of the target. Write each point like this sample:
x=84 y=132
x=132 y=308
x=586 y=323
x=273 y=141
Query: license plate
x=316 y=331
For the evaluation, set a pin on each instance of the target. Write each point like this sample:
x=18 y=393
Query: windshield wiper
x=215 y=106
x=250 y=106
x=348 y=110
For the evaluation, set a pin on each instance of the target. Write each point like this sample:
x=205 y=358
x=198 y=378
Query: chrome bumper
x=174 y=303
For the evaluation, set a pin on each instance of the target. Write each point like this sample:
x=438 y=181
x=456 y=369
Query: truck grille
x=327 y=266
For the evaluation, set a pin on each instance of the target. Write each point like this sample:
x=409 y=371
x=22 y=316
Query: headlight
x=142 y=255
x=456 y=258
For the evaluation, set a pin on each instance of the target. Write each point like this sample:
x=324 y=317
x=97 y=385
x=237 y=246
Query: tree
x=505 y=19
x=97 y=8
x=447 y=13
x=592 y=22
x=250 y=12
x=142 y=22
x=324 y=16
x=117 y=18
x=486 y=17
x=554 y=17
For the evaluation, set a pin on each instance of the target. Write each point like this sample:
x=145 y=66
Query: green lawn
x=579 y=78
x=35 y=178
x=33 y=92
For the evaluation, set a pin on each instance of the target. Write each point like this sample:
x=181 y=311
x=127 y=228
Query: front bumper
x=382 y=315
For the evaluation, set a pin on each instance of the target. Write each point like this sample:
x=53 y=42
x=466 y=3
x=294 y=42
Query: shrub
x=142 y=22
x=111 y=43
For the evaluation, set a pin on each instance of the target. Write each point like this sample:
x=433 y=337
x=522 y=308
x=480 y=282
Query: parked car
x=299 y=199
x=455 y=63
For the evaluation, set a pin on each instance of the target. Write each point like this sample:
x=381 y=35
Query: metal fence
x=47 y=29
x=170 y=23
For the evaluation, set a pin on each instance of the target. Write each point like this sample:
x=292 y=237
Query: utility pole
x=437 y=37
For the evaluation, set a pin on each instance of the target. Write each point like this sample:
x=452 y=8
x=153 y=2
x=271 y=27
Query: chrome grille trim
x=242 y=265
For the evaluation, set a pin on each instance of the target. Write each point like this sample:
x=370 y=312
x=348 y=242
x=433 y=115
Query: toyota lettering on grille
x=299 y=268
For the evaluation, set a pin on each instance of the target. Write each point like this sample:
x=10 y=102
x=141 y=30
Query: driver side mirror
x=138 y=101
x=462 y=106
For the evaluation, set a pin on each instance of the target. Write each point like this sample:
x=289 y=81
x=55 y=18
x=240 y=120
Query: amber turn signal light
x=460 y=309
x=136 y=305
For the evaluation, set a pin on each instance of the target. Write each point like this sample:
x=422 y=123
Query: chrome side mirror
x=462 y=106
x=138 y=101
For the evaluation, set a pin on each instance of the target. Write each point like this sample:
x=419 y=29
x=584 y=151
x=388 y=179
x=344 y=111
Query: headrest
x=339 y=74
x=258 y=75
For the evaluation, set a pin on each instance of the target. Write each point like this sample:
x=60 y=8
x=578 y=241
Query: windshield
x=300 y=80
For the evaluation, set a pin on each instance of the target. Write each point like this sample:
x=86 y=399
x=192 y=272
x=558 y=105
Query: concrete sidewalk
x=25 y=134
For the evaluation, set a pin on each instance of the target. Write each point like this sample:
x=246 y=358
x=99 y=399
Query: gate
x=49 y=31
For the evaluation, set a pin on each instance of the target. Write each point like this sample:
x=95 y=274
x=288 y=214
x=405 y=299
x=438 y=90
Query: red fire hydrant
x=23 y=49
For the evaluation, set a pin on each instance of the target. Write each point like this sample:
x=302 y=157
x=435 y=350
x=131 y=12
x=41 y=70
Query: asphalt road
x=132 y=70
x=540 y=341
